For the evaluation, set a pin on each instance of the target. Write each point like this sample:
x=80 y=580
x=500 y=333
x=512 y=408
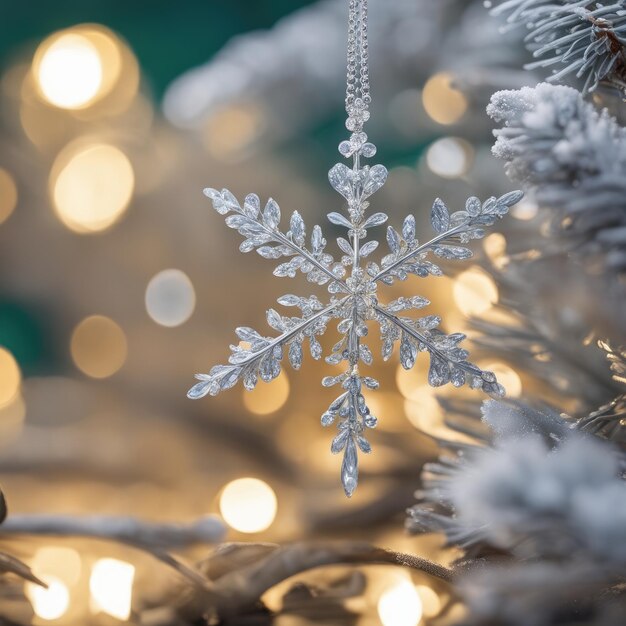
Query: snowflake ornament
x=353 y=285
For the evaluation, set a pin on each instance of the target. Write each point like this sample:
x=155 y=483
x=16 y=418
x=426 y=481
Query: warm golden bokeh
x=525 y=210
x=409 y=382
x=111 y=587
x=248 y=505
x=48 y=604
x=495 y=246
x=91 y=187
x=264 y=398
x=10 y=378
x=59 y=561
x=474 y=292
x=423 y=410
x=68 y=70
x=8 y=195
x=431 y=603
x=98 y=346
x=400 y=605
x=75 y=68
x=441 y=101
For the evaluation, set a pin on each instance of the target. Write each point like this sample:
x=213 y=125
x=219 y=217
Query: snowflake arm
x=260 y=228
x=408 y=256
x=447 y=360
x=262 y=355
x=354 y=297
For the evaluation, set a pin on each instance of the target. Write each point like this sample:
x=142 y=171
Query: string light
x=51 y=603
x=423 y=410
x=495 y=248
x=265 y=399
x=525 y=210
x=400 y=605
x=10 y=378
x=449 y=157
x=79 y=66
x=408 y=381
x=68 y=70
x=91 y=187
x=98 y=346
x=8 y=195
x=431 y=603
x=59 y=562
x=474 y=292
x=111 y=587
x=248 y=505
x=170 y=298
x=441 y=101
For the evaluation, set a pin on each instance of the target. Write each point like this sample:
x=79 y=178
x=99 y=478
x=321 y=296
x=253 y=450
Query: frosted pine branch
x=238 y=574
x=573 y=38
x=540 y=489
x=609 y=421
x=573 y=159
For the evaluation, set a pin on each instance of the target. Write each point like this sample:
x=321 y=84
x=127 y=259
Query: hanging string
x=357 y=78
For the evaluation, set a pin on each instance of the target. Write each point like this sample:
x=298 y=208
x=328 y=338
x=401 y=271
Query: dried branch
x=10 y=565
x=149 y=535
x=241 y=573
x=146 y=536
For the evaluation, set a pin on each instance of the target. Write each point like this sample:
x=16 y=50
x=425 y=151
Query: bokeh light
x=57 y=561
x=423 y=410
x=495 y=246
x=78 y=67
x=431 y=603
x=248 y=505
x=400 y=605
x=507 y=377
x=170 y=298
x=12 y=417
x=525 y=210
x=68 y=70
x=91 y=187
x=8 y=195
x=474 y=292
x=409 y=381
x=449 y=157
x=10 y=378
x=98 y=346
x=51 y=603
x=230 y=131
x=265 y=399
x=111 y=587
x=441 y=101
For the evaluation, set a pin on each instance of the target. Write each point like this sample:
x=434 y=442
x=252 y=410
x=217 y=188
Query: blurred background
x=118 y=281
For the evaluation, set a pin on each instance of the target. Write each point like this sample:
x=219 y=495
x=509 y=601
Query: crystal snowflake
x=354 y=300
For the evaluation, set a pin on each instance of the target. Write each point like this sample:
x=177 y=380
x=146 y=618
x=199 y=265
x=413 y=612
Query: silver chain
x=357 y=80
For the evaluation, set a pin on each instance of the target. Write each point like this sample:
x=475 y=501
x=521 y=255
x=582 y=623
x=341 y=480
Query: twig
x=9 y=564
x=242 y=573
x=149 y=535
x=146 y=536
